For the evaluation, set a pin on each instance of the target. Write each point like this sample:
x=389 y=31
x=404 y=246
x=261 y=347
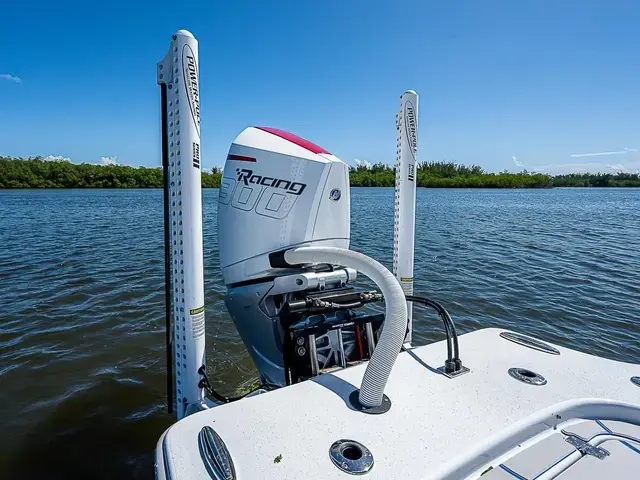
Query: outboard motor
x=278 y=192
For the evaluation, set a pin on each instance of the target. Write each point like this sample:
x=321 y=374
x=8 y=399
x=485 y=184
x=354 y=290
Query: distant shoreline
x=36 y=173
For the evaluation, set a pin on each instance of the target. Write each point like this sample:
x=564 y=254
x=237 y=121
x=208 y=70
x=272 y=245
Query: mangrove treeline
x=39 y=173
x=452 y=175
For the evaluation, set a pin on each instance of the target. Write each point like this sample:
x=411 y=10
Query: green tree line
x=448 y=175
x=38 y=173
x=452 y=175
x=597 y=180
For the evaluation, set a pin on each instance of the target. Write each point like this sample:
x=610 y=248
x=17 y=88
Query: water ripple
x=82 y=307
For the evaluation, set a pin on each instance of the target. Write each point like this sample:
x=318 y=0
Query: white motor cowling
x=278 y=191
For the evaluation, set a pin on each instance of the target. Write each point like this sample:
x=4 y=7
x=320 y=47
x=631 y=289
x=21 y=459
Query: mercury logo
x=190 y=75
x=246 y=176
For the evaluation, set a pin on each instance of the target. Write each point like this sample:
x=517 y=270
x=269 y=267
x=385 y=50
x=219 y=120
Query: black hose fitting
x=449 y=366
x=453 y=363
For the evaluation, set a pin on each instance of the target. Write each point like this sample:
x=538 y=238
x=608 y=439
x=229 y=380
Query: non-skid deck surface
x=434 y=422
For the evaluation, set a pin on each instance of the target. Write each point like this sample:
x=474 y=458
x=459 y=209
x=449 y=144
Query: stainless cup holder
x=527 y=376
x=351 y=457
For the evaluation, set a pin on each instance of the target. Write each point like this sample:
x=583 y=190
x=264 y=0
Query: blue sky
x=542 y=81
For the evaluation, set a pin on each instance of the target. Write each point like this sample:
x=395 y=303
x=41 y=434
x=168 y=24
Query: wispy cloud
x=10 y=78
x=56 y=158
x=518 y=163
x=363 y=163
x=603 y=154
x=628 y=161
x=591 y=167
x=109 y=160
x=569 y=168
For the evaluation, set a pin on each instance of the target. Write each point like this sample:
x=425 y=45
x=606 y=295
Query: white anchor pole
x=405 y=196
x=177 y=76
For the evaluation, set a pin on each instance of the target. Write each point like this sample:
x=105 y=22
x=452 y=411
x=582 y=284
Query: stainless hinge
x=585 y=448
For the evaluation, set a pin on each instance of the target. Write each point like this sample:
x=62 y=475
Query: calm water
x=81 y=303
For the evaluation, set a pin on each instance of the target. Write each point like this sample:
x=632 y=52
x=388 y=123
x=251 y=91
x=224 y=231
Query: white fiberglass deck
x=437 y=427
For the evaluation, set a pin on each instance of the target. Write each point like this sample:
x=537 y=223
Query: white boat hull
x=437 y=427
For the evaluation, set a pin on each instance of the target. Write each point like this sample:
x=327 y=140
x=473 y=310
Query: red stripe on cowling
x=240 y=158
x=301 y=142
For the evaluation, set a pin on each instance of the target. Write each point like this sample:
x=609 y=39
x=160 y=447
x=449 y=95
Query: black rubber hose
x=454 y=334
x=204 y=383
x=450 y=329
x=223 y=399
x=447 y=328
